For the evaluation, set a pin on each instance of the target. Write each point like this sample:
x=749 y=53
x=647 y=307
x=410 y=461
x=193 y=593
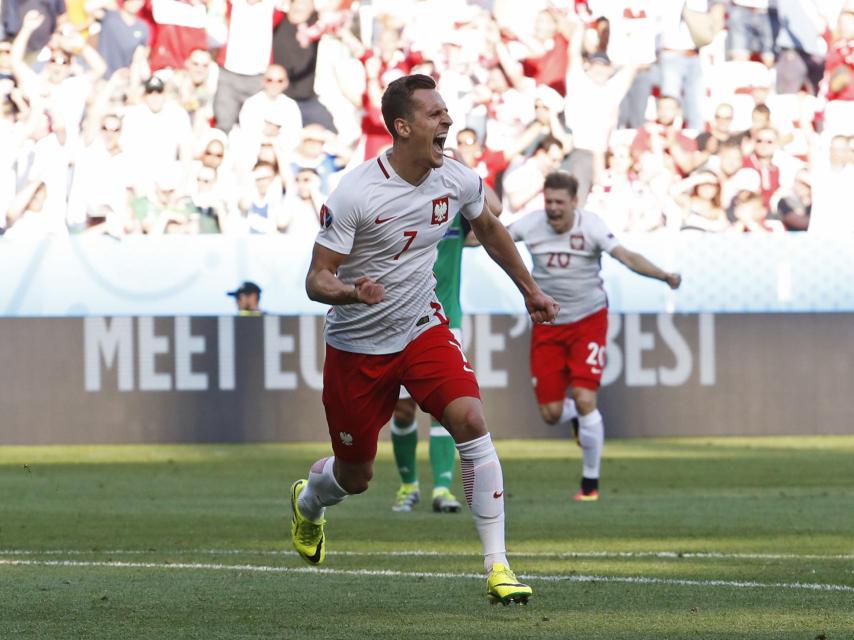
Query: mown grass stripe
x=738 y=584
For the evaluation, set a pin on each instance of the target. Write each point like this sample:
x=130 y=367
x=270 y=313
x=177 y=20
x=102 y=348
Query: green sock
x=443 y=456
x=404 y=440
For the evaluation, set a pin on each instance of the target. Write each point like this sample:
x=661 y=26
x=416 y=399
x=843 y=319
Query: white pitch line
x=677 y=555
x=738 y=584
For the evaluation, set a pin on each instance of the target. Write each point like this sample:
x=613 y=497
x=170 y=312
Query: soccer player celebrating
x=566 y=244
x=372 y=262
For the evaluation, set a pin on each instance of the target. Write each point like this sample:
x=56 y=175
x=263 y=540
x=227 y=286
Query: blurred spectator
x=718 y=130
x=62 y=87
x=244 y=58
x=734 y=176
x=271 y=100
x=750 y=31
x=839 y=68
x=801 y=49
x=301 y=209
x=594 y=93
x=13 y=13
x=312 y=153
x=208 y=200
x=47 y=157
x=699 y=200
x=150 y=152
x=262 y=204
x=833 y=175
x=679 y=56
x=6 y=59
x=28 y=217
x=196 y=86
x=762 y=160
x=101 y=181
x=622 y=199
x=166 y=208
x=295 y=48
x=794 y=207
x=124 y=37
x=178 y=30
x=548 y=58
x=523 y=185
x=632 y=40
x=665 y=140
x=749 y=213
x=488 y=164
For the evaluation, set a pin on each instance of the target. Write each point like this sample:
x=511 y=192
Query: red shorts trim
x=360 y=390
x=568 y=355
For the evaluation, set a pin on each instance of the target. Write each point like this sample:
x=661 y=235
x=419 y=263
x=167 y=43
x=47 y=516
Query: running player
x=566 y=244
x=372 y=262
x=404 y=429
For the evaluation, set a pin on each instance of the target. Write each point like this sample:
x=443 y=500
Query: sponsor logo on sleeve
x=440 y=211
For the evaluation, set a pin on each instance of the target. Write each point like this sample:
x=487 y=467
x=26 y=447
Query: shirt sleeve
x=602 y=236
x=471 y=194
x=339 y=218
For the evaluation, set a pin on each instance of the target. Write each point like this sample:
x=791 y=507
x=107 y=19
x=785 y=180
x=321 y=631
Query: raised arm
x=323 y=285
x=31 y=21
x=640 y=265
x=500 y=246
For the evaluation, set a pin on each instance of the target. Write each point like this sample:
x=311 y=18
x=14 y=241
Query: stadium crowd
x=239 y=116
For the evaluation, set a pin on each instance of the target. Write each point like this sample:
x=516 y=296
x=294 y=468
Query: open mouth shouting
x=439 y=143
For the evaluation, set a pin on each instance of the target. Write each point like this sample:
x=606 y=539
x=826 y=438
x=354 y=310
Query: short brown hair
x=562 y=180
x=397 y=100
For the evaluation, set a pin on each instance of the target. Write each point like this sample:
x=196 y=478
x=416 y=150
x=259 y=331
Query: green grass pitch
x=693 y=538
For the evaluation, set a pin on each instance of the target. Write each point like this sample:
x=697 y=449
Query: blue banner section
x=180 y=275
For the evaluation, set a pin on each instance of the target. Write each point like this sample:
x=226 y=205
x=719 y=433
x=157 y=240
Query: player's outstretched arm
x=639 y=264
x=501 y=248
x=323 y=285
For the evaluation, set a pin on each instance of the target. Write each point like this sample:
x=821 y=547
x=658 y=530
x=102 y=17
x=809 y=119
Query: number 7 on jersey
x=410 y=236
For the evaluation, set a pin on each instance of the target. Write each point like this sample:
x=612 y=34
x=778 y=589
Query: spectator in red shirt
x=549 y=59
x=177 y=29
x=839 y=68
x=389 y=60
x=761 y=159
x=664 y=137
x=488 y=164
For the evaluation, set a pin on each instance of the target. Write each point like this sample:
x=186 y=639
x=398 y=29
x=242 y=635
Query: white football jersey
x=567 y=265
x=389 y=229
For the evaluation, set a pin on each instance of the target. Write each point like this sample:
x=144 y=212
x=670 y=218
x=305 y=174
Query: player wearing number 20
x=566 y=244
x=373 y=262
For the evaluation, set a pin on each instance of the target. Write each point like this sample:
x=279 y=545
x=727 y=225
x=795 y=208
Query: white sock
x=569 y=411
x=484 y=487
x=591 y=435
x=321 y=491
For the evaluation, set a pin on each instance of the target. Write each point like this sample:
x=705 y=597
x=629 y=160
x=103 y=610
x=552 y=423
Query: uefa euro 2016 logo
x=325 y=217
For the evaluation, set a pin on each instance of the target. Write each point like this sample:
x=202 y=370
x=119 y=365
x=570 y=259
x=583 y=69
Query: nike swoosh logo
x=378 y=220
x=497 y=494
x=316 y=557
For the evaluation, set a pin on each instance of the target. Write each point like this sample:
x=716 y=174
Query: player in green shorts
x=404 y=429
